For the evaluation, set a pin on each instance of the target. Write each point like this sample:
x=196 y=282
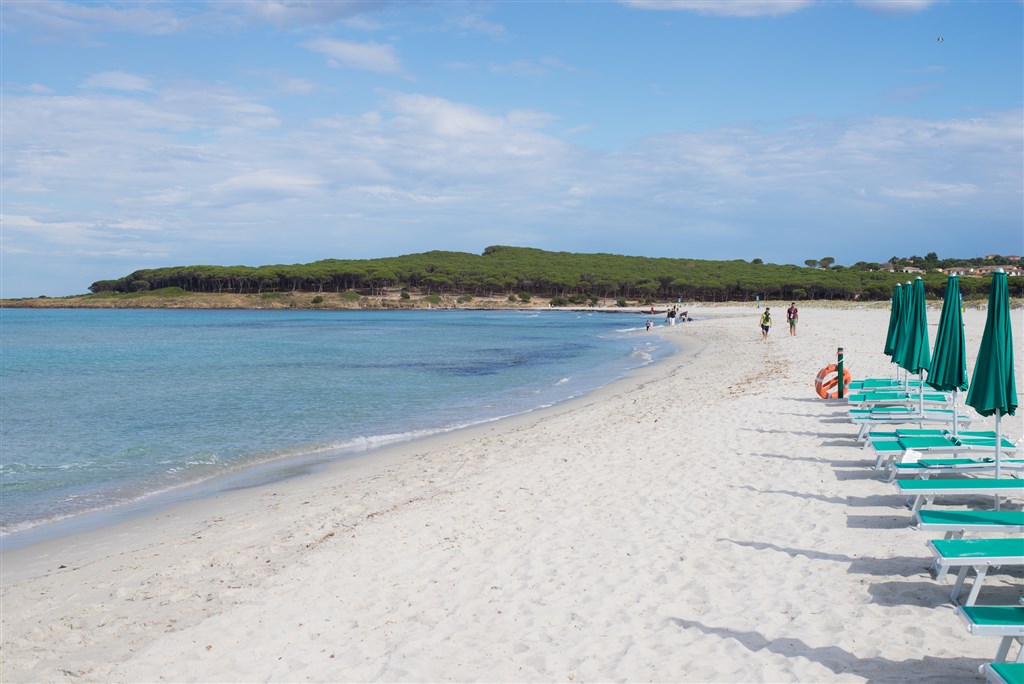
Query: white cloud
x=478 y=24
x=528 y=68
x=294 y=86
x=146 y=177
x=117 y=80
x=55 y=17
x=266 y=185
x=367 y=56
x=302 y=12
x=724 y=8
x=28 y=235
x=896 y=6
x=932 y=192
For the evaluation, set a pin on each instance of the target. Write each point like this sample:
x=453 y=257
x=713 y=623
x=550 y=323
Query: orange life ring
x=828 y=378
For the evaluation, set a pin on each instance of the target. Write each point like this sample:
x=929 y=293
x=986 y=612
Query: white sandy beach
x=710 y=520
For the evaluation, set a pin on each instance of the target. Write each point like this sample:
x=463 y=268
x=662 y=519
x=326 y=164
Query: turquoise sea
x=103 y=409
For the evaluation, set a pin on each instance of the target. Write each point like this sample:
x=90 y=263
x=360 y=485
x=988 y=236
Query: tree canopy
x=513 y=270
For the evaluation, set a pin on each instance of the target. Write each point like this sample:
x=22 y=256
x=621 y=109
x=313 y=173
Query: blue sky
x=138 y=135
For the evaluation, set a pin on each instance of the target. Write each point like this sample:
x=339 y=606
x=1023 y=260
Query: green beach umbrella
x=900 y=336
x=993 y=388
x=894 y=320
x=912 y=353
x=948 y=370
x=949 y=357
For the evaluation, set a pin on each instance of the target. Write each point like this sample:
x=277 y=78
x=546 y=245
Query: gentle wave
x=105 y=408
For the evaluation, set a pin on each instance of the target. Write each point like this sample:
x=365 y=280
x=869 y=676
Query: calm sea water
x=101 y=408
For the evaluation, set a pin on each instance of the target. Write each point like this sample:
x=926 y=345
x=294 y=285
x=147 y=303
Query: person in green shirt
x=766 y=323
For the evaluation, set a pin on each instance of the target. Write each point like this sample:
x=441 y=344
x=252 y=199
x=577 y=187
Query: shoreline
x=607 y=538
x=270 y=472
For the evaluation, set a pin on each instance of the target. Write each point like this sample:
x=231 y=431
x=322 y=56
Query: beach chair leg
x=1004 y=649
x=958 y=585
x=973 y=596
x=1003 y=654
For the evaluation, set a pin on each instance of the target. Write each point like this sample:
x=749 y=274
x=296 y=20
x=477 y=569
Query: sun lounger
x=900 y=399
x=956 y=523
x=925 y=491
x=881 y=384
x=976 y=554
x=1006 y=622
x=909 y=432
x=911 y=447
x=1004 y=673
x=927 y=467
x=867 y=419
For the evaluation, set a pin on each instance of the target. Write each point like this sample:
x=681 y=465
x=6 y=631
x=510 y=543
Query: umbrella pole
x=956 y=400
x=920 y=394
x=999 y=444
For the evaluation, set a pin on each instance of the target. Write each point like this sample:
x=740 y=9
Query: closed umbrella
x=900 y=335
x=912 y=353
x=993 y=388
x=948 y=372
x=894 y=321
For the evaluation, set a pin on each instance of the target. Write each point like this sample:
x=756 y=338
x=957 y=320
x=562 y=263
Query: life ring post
x=839 y=369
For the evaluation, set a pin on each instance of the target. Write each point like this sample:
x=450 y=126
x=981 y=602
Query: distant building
x=985 y=271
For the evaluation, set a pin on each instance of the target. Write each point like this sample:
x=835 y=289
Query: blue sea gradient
x=99 y=408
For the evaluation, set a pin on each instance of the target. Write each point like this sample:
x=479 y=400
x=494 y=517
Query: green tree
x=826 y=262
x=811 y=263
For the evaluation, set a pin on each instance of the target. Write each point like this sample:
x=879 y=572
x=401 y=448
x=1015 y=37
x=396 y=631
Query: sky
x=147 y=134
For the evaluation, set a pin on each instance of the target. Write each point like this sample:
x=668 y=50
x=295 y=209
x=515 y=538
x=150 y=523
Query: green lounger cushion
x=898 y=396
x=980 y=484
x=994 y=620
x=882 y=382
x=972 y=519
x=926 y=442
x=987 y=441
x=877 y=382
x=921 y=432
x=1006 y=549
x=945 y=463
x=1010 y=673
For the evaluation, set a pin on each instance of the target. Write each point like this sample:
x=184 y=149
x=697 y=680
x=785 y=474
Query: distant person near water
x=650 y=324
x=766 y=323
x=792 y=315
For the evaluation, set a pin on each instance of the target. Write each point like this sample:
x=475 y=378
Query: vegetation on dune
x=521 y=273
x=572 y=277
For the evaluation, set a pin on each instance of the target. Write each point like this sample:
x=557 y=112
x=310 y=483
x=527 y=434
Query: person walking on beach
x=766 y=323
x=792 y=315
